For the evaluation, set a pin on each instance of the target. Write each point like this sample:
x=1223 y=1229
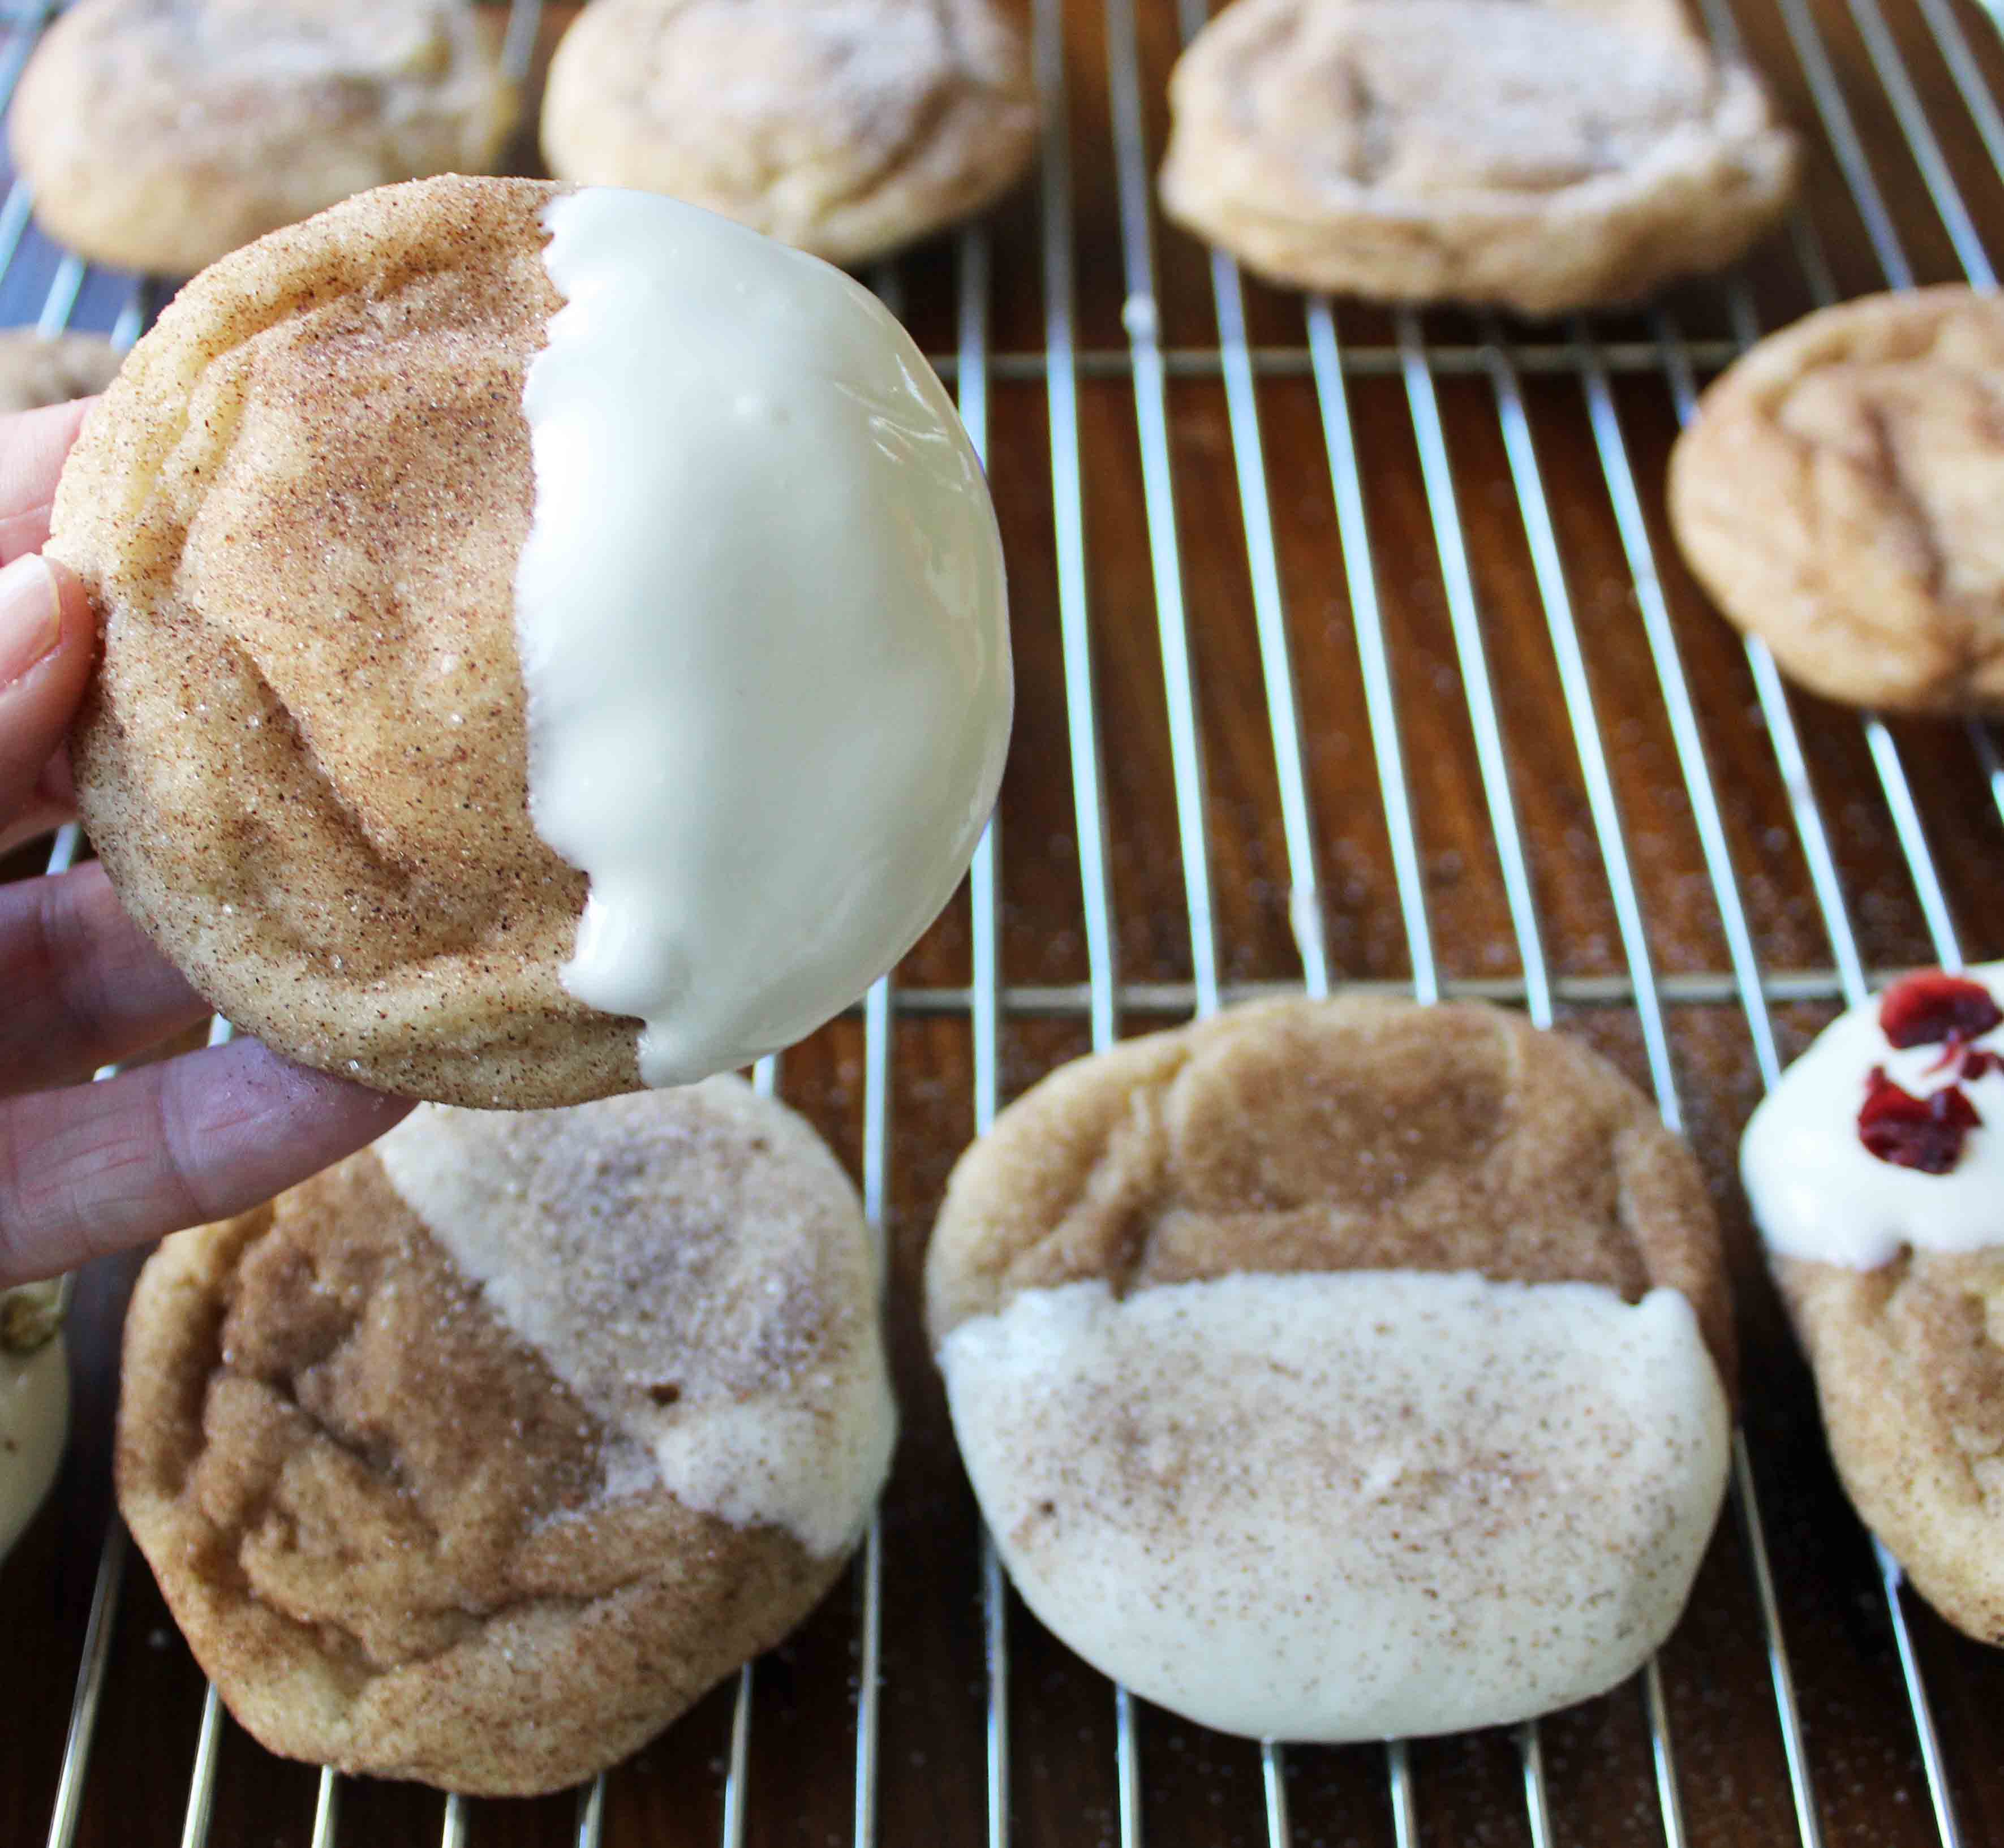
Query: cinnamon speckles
x=1337 y=1370
x=1344 y=1506
x=481 y=1480
x=302 y=503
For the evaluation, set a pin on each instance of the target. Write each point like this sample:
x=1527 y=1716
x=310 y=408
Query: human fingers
x=33 y=444
x=48 y=637
x=81 y=985
x=96 y=1167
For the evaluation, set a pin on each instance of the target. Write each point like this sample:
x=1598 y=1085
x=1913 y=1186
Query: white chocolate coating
x=1352 y=1505
x=1818 y=1192
x=34 y=1424
x=762 y=626
x=710 y=1237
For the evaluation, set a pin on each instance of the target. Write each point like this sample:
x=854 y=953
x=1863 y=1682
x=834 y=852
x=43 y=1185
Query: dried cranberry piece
x=1976 y=1063
x=1926 y=1009
x=1926 y=1133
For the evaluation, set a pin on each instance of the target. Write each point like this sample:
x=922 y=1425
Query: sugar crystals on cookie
x=554 y=640
x=160 y=134
x=1334 y=1371
x=1540 y=155
x=846 y=127
x=1838 y=494
x=482 y=1456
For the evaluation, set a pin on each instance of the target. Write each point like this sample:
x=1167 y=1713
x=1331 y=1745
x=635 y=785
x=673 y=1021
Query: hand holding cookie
x=88 y=1168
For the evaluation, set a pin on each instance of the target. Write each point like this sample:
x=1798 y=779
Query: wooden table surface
x=1198 y=511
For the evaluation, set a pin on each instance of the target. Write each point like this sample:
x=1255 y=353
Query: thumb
x=48 y=637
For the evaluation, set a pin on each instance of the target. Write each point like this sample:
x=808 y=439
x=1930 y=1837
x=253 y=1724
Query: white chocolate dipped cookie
x=480 y=1456
x=651 y=684
x=1876 y=1170
x=1336 y=1370
x=34 y=1404
x=160 y=134
x=846 y=127
x=1539 y=154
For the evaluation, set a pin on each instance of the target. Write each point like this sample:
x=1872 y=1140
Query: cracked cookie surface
x=298 y=513
x=160 y=134
x=846 y=127
x=1838 y=495
x=1356 y=1134
x=406 y=1537
x=1541 y=154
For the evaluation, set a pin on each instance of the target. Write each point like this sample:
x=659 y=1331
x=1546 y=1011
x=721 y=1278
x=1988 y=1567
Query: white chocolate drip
x=1340 y=1506
x=1818 y=1192
x=762 y=627
x=685 y=1239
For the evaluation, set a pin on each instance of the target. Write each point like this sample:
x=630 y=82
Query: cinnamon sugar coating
x=160 y=134
x=1838 y=494
x=298 y=512
x=846 y=127
x=1351 y=1134
x=1540 y=155
x=396 y=1540
x=1909 y=1363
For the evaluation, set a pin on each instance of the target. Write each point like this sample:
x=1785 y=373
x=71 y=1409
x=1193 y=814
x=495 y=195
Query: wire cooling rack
x=1351 y=650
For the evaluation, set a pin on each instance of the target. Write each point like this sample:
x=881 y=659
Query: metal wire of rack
x=1503 y=360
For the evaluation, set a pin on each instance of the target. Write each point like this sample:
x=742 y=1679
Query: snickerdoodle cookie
x=845 y=127
x=35 y=371
x=554 y=640
x=1542 y=155
x=1340 y=1370
x=160 y=133
x=1838 y=496
x=1876 y=1170
x=479 y=1458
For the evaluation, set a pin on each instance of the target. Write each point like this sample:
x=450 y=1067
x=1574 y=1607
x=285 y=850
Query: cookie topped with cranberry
x=1341 y=1370
x=1875 y=1172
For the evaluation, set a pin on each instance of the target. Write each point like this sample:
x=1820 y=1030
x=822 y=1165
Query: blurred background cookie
x=1334 y=1371
x=1839 y=493
x=1875 y=1172
x=847 y=128
x=1539 y=154
x=413 y=646
x=34 y=1403
x=478 y=1458
x=35 y=371
x=160 y=134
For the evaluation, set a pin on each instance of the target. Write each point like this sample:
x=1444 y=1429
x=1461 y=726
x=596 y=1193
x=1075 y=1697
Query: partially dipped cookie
x=554 y=640
x=479 y=1458
x=1341 y=1370
x=1876 y=1170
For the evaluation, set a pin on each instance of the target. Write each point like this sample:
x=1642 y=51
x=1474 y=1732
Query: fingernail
x=31 y=616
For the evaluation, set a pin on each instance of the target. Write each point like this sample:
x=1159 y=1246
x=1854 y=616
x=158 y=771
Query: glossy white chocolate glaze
x=762 y=627
x=1347 y=1505
x=1818 y=1192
